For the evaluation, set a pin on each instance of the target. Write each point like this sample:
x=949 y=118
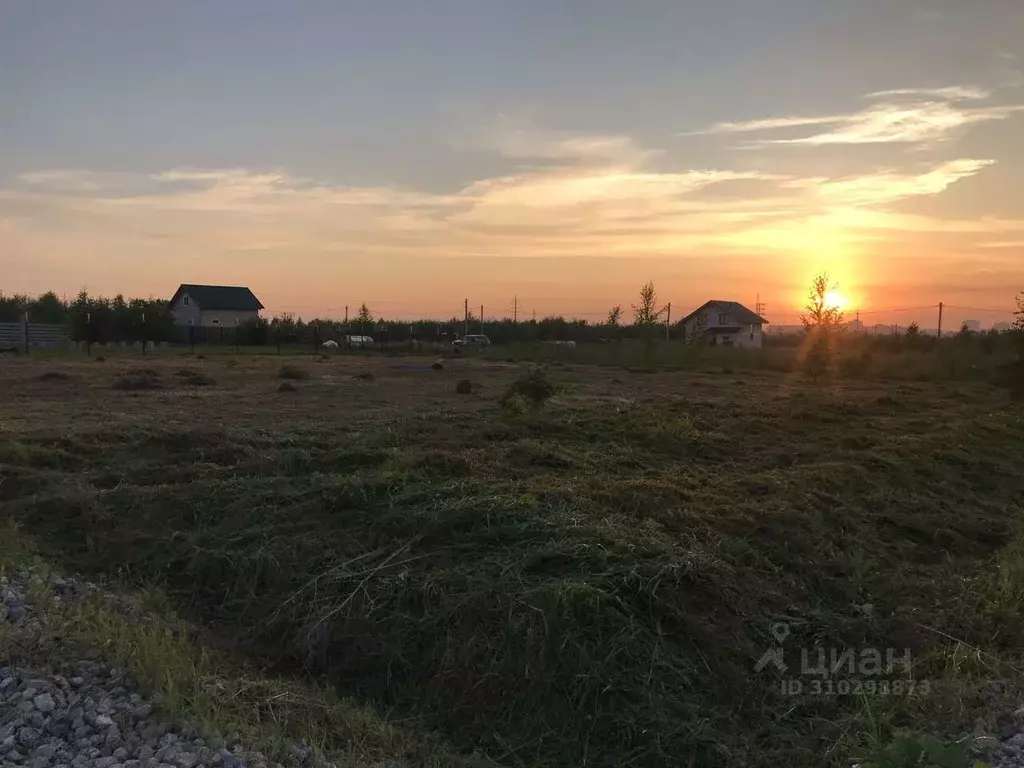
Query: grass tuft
x=292 y=372
x=54 y=376
x=193 y=378
x=138 y=379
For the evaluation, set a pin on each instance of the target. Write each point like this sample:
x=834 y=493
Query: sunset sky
x=413 y=154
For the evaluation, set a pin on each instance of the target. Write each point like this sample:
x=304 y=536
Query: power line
x=979 y=309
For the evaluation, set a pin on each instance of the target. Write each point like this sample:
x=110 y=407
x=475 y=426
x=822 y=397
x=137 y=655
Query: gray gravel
x=84 y=714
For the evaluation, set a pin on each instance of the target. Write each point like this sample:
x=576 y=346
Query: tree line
x=100 y=319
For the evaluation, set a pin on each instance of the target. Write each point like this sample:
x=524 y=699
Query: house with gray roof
x=728 y=323
x=214 y=306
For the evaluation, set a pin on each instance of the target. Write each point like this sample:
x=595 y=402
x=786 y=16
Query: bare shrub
x=293 y=372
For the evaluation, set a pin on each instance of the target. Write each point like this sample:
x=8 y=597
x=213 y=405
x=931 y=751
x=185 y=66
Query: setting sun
x=835 y=300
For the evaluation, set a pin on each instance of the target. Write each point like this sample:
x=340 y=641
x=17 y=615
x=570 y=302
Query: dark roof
x=231 y=297
x=734 y=309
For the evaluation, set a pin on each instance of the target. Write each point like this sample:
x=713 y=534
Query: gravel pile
x=84 y=714
x=1009 y=753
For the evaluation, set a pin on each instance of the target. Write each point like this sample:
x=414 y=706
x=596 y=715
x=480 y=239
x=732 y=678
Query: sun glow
x=835 y=300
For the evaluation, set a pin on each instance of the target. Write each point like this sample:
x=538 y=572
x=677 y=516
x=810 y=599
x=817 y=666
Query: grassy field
x=589 y=583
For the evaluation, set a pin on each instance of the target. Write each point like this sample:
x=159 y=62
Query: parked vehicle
x=472 y=340
x=359 y=341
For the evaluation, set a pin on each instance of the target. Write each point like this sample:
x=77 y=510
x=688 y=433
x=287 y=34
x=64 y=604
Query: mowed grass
x=589 y=583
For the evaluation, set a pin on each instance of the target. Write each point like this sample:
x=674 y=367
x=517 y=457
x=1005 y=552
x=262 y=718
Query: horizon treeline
x=101 y=319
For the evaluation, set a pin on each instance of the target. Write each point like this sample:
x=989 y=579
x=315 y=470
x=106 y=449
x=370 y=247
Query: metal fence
x=24 y=336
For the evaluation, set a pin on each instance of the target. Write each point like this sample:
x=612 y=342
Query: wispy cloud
x=587 y=194
x=890 y=186
x=71 y=180
x=952 y=93
x=909 y=115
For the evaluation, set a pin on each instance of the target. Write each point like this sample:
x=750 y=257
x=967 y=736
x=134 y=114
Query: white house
x=214 y=306
x=728 y=323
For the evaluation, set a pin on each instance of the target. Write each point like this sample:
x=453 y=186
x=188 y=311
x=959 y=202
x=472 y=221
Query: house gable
x=230 y=298
x=724 y=314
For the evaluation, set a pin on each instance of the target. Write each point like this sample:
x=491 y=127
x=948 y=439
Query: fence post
x=143 y=334
x=236 y=335
x=279 y=340
x=88 y=333
x=192 y=337
x=26 y=333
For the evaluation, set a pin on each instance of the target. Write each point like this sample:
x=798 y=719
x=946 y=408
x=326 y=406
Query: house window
x=215 y=322
x=184 y=300
x=723 y=319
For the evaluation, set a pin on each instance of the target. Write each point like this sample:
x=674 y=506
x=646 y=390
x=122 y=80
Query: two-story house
x=214 y=306
x=725 y=322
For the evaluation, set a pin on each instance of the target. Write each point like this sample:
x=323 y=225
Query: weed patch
x=293 y=373
x=54 y=376
x=193 y=378
x=138 y=379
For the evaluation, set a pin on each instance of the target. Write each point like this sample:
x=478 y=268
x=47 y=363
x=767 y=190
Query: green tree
x=615 y=316
x=48 y=308
x=820 y=314
x=645 y=314
x=13 y=308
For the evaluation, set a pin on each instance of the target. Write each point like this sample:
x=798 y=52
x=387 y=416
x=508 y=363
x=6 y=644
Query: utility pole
x=481 y=318
x=940 y=319
x=346 y=314
x=668 y=319
x=515 y=309
x=466 y=307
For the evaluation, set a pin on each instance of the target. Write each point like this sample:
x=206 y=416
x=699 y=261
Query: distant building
x=214 y=306
x=728 y=323
x=972 y=325
x=1001 y=327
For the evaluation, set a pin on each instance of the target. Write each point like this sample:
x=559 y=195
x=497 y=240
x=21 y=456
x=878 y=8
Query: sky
x=550 y=153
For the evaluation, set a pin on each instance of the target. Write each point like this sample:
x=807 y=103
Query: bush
x=286 y=387
x=533 y=389
x=365 y=376
x=193 y=378
x=464 y=387
x=53 y=376
x=819 y=358
x=292 y=372
x=1011 y=376
x=437 y=367
x=138 y=379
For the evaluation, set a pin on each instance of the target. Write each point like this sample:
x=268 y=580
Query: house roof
x=734 y=309
x=230 y=297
